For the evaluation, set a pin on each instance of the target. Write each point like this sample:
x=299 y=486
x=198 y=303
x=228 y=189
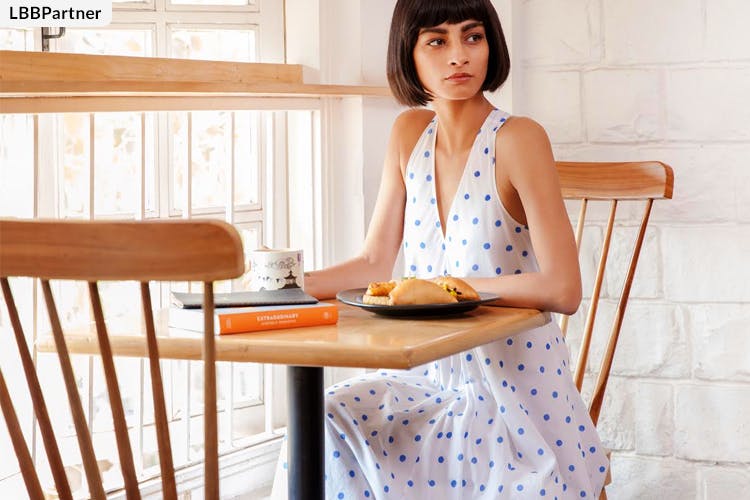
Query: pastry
x=457 y=287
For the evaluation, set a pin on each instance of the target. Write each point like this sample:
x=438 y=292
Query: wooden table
x=360 y=339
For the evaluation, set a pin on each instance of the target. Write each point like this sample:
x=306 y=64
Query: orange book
x=253 y=319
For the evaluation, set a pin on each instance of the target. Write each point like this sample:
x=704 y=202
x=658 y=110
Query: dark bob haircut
x=409 y=16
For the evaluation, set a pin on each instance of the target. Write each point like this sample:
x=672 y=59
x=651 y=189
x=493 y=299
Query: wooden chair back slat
x=612 y=182
x=606 y=365
x=37 y=398
x=93 y=476
x=210 y=423
x=28 y=472
x=124 y=450
x=120 y=250
x=166 y=463
x=579 y=236
x=583 y=352
x=93 y=251
x=621 y=181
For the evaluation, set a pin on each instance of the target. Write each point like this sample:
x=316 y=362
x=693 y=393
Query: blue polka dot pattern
x=503 y=420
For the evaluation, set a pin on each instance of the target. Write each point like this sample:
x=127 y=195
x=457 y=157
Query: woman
x=472 y=192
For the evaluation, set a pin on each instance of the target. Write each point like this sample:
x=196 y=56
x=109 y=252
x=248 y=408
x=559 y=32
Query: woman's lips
x=459 y=77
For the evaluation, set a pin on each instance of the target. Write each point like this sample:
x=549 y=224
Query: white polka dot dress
x=503 y=420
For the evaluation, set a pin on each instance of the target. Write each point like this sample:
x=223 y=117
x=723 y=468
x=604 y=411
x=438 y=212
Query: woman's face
x=451 y=59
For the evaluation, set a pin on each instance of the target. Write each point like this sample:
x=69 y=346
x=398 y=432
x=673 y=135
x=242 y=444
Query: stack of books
x=243 y=312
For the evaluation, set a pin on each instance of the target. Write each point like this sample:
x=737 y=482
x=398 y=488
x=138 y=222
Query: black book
x=288 y=296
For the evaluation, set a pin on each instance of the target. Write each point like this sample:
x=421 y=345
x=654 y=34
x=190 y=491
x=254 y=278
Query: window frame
x=271 y=156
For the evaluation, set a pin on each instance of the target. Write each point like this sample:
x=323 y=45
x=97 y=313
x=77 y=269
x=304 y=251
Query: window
x=218 y=164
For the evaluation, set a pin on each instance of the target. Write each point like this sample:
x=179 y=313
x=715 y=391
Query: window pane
x=248 y=383
x=211 y=143
x=178 y=134
x=128 y=378
x=16 y=166
x=12 y=369
x=16 y=39
x=74 y=168
x=222 y=45
x=251 y=240
x=117 y=42
x=246 y=158
x=117 y=155
x=55 y=395
x=211 y=158
x=150 y=187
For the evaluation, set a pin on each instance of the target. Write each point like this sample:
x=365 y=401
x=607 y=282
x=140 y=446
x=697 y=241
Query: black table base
x=306 y=438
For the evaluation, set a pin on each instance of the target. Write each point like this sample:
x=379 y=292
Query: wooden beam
x=40 y=72
x=35 y=82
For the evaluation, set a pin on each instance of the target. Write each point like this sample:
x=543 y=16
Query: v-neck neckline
x=444 y=224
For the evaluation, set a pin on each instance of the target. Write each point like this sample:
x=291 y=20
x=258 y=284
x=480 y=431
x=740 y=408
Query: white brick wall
x=702 y=104
x=644 y=31
x=610 y=96
x=669 y=81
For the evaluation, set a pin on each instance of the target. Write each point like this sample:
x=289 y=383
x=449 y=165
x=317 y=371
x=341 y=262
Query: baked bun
x=457 y=287
x=376 y=300
x=418 y=291
x=380 y=288
x=415 y=291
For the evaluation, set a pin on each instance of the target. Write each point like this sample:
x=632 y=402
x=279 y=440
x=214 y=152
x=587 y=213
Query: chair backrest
x=94 y=251
x=612 y=182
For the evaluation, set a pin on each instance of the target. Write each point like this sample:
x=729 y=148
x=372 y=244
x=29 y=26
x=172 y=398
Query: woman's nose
x=458 y=56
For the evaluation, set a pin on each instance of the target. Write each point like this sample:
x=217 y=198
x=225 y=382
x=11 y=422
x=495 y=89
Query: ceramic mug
x=272 y=269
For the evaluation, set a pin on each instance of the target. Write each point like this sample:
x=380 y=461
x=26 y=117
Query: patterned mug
x=272 y=269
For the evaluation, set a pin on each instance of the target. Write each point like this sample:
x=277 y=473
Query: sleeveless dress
x=503 y=420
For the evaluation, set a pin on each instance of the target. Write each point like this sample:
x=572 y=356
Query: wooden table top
x=359 y=339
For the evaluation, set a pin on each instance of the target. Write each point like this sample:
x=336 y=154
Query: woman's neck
x=459 y=121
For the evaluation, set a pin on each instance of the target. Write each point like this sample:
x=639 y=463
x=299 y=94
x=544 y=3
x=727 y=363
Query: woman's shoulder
x=523 y=147
x=407 y=128
x=520 y=132
x=413 y=120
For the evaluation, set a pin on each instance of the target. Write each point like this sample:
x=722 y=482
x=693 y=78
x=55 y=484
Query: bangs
x=438 y=12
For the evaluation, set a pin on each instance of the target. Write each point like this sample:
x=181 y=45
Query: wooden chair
x=613 y=183
x=123 y=251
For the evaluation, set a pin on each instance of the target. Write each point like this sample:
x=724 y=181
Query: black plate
x=353 y=297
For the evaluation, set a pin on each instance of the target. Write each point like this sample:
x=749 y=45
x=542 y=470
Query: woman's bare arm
x=527 y=156
x=381 y=246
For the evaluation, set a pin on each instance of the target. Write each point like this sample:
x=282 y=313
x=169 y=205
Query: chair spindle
x=601 y=382
x=93 y=476
x=28 y=471
x=583 y=352
x=210 y=422
x=124 y=449
x=166 y=463
x=37 y=398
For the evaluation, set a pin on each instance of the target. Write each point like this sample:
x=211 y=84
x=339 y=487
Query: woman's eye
x=475 y=37
x=436 y=42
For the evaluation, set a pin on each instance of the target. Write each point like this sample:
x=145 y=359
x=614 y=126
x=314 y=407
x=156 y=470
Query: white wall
x=669 y=81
